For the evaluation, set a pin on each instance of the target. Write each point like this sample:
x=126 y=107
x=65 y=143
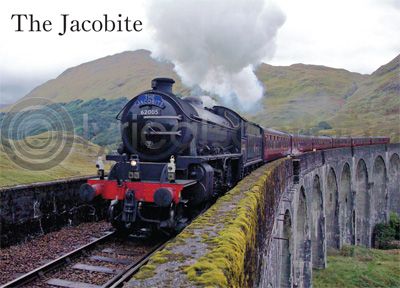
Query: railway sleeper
x=71 y=284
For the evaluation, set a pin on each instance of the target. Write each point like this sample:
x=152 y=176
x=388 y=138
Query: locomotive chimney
x=162 y=84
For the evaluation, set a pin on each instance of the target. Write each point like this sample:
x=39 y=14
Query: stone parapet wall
x=29 y=209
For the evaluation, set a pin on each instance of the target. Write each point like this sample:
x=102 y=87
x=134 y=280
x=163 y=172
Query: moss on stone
x=178 y=241
x=160 y=257
x=177 y=257
x=204 y=236
x=185 y=234
x=145 y=272
x=206 y=273
x=224 y=265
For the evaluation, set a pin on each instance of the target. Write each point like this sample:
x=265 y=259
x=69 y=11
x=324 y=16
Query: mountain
x=298 y=98
x=121 y=75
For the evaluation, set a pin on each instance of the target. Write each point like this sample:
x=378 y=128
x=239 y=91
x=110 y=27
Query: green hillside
x=80 y=162
x=298 y=98
x=375 y=106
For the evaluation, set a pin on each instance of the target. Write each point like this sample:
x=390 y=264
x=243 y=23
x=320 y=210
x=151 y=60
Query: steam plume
x=217 y=44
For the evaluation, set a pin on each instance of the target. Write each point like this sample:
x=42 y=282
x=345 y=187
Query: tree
x=323 y=125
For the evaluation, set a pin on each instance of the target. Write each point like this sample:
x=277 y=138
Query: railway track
x=105 y=262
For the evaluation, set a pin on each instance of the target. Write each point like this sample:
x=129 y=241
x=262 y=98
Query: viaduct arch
x=317 y=225
x=362 y=214
x=394 y=186
x=346 y=210
x=285 y=261
x=332 y=210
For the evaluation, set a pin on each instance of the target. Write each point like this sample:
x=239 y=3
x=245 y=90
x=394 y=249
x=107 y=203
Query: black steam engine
x=175 y=157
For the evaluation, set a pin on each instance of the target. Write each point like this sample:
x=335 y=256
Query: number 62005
x=149 y=112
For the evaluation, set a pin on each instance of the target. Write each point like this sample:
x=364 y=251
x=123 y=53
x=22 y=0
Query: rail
x=63 y=260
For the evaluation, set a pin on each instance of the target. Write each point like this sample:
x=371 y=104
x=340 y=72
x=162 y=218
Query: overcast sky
x=358 y=35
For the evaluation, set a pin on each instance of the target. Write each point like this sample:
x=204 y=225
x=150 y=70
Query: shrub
x=394 y=222
x=347 y=251
x=323 y=125
x=386 y=234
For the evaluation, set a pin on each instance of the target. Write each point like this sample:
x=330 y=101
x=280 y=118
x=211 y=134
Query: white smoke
x=217 y=44
x=208 y=101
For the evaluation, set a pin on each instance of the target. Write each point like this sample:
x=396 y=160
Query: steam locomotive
x=177 y=156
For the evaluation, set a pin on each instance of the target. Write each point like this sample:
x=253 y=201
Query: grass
x=355 y=266
x=80 y=162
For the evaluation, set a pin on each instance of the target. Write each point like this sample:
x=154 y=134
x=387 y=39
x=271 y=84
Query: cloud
x=217 y=44
x=13 y=87
x=357 y=35
x=44 y=55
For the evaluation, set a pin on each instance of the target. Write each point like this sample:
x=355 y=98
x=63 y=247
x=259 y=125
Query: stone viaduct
x=339 y=197
x=277 y=225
